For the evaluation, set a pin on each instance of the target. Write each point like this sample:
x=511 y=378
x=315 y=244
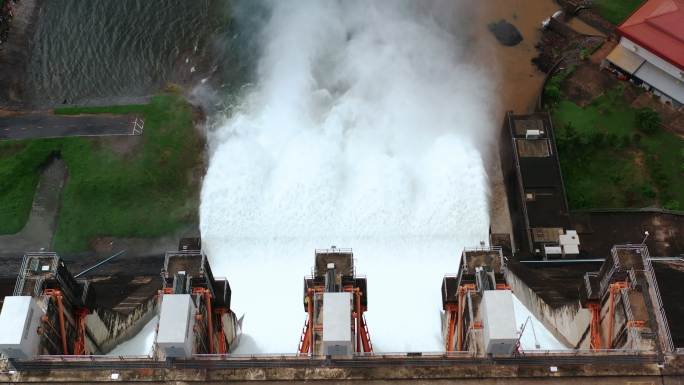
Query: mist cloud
x=363 y=130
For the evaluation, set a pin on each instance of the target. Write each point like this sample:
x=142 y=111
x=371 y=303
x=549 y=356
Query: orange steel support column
x=614 y=289
x=79 y=344
x=595 y=342
x=210 y=324
x=307 y=344
x=309 y=332
x=365 y=338
x=62 y=326
x=221 y=334
x=461 y=308
x=452 y=312
x=357 y=321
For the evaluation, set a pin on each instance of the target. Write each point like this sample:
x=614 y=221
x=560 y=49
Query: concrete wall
x=110 y=328
x=568 y=324
x=456 y=373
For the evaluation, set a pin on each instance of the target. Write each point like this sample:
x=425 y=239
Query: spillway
x=363 y=129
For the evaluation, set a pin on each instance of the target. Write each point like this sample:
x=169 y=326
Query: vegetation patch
x=552 y=88
x=147 y=193
x=616 y=11
x=613 y=156
x=20 y=166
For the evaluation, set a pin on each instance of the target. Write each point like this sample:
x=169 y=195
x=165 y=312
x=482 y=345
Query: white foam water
x=139 y=345
x=363 y=130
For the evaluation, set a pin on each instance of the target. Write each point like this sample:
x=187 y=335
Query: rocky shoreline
x=15 y=50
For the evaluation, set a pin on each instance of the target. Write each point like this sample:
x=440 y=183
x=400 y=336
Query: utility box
x=176 y=337
x=498 y=319
x=19 y=322
x=337 y=324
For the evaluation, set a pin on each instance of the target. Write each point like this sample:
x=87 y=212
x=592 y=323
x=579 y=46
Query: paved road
x=43 y=125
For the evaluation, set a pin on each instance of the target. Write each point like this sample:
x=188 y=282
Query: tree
x=648 y=120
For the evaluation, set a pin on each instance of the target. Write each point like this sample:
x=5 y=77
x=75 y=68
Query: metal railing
x=24 y=269
x=605 y=280
x=138 y=126
x=340 y=250
x=665 y=336
x=497 y=249
x=373 y=356
x=587 y=284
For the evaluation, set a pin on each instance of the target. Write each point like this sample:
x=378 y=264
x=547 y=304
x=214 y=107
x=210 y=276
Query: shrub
x=598 y=139
x=647 y=191
x=673 y=205
x=552 y=90
x=613 y=140
x=584 y=54
x=648 y=120
x=552 y=93
x=626 y=140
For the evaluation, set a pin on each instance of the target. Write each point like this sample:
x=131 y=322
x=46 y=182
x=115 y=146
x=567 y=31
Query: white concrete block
x=176 y=337
x=19 y=322
x=337 y=335
x=498 y=321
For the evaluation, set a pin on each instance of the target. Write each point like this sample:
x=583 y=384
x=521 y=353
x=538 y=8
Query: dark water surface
x=85 y=50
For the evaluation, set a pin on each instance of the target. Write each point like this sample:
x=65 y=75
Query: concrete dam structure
x=616 y=327
x=52 y=312
x=617 y=311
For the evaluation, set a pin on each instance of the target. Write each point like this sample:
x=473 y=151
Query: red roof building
x=651 y=48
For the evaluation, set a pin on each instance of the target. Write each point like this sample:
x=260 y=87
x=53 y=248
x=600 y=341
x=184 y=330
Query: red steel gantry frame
x=615 y=289
x=363 y=341
x=79 y=347
x=455 y=316
x=212 y=317
x=595 y=326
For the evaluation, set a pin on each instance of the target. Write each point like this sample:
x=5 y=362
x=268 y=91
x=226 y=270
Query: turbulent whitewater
x=364 y=129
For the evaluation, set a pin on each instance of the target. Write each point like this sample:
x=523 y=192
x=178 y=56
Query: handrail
x=358 y=356
x=666 y=337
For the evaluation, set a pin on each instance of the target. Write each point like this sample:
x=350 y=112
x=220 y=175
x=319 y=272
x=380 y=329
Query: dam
x=349 y=232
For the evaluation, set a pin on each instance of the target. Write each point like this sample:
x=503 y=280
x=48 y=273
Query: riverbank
x=15 y=52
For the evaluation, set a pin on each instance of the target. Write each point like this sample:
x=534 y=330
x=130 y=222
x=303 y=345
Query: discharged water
x=362 y=130
x=365 y=127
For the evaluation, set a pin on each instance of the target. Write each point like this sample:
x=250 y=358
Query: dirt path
x=39 y=229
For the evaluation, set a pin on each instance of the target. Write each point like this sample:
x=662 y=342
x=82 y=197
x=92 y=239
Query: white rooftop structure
x=337 y=335
x=498 y=322
x=175 y=337
x=19 y=322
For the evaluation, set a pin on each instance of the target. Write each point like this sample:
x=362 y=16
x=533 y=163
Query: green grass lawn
x=146 y=193
x=608 y=163
x=20 y=163
x=616 y=11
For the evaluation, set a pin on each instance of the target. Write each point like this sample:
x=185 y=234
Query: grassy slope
x=20 y=164
x=144 y=194
x=616 y=11
x=611 y=164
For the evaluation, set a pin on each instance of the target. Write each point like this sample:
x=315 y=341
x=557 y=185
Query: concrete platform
x=530 y=369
